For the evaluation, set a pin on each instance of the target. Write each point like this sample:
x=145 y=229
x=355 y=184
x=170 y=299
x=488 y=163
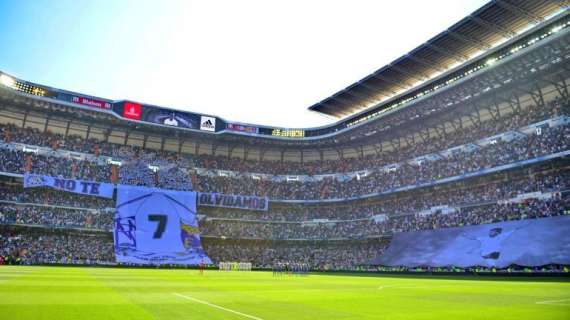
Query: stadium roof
x=489 y=26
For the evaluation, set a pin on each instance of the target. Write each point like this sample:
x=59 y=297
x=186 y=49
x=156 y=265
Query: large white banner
x=532 y=242
x=156 y=226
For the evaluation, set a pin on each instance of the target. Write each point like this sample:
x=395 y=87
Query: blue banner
x=88 y=188
x=157 y=226
x=233 y=201
x=533 y=242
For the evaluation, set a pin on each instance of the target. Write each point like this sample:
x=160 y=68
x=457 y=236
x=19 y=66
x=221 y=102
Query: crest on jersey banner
x=157 y=226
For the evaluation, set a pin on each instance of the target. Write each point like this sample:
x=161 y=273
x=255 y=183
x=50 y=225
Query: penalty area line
x=216 y=306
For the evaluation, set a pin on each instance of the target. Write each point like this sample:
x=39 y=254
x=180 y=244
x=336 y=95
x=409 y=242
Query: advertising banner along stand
x=89 y=188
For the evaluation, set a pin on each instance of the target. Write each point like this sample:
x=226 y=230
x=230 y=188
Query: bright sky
x=254 y=61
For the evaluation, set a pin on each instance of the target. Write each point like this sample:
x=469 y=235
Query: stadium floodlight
x=556 y=29
x=7 y=81
x=491 y=61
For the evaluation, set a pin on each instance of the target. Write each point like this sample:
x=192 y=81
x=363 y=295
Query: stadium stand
x=488 y=141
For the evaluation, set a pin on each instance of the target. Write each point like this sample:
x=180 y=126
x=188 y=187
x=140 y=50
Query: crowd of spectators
x=484 y=191
x=39 y=247
x=507 y=122
x=171 y=175
x=136 y=172
x=16 y=161
x=175 y=169
x=46 y=196
x=455 y=194
x=471 y=204
x=55 y=217
x=474 y=215
x=36 y=247
x=458 y=216
x=318 y=255
x=72 y=142
x=550 y=141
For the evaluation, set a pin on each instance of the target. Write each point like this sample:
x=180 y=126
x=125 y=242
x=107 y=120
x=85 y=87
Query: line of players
x=235 y=266
x=290 y=268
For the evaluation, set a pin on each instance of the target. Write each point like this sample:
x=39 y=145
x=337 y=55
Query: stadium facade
x=470 y=128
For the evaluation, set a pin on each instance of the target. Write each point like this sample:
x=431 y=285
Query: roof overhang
x=493 y=24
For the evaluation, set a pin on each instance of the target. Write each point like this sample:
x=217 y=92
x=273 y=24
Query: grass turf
x=107 y=293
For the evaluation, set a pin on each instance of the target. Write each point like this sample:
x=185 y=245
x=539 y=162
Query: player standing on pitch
x=201 y=267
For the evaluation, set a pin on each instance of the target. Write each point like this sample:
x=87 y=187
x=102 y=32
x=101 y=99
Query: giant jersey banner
x=88 y=188
x=534 y=242
x=156 y=226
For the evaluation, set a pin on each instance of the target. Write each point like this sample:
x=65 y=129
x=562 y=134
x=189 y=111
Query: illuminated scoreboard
x=282 y=133
x=288 y=133
x=26 y=87
x=30 y=89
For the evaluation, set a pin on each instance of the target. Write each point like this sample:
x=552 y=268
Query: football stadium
x=441 y=190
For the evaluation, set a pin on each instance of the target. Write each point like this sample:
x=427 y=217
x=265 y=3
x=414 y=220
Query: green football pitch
x=113 y=293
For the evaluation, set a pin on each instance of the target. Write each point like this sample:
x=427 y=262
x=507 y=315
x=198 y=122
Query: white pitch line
x=408 y=286
x=556 y=302
x=388 y=286
x=216 y=306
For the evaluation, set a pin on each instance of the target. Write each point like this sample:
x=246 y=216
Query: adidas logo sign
x=208 y=123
